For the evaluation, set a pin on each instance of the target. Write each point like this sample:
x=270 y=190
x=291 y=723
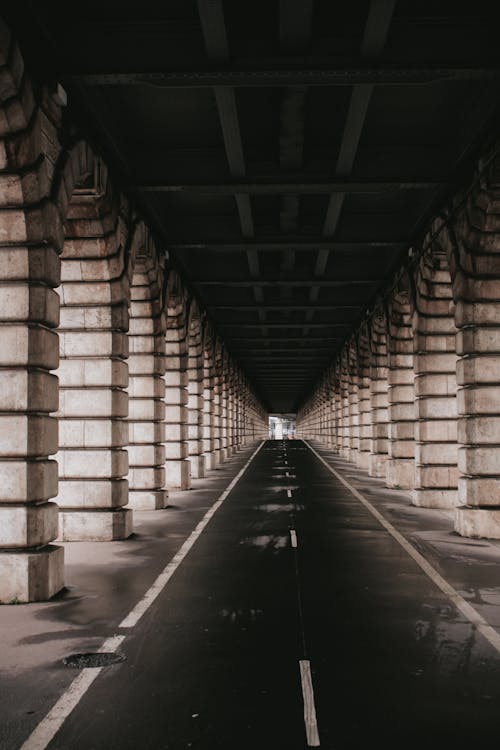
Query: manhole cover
x=83 y=661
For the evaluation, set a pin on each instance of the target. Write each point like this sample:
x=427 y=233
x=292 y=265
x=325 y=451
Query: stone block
x=27 y=525
x=38 y=264
x=176 y=396
x=27 y=481
x=145 y=409
x=477 y=523
x=432 y=476
x=485 y=369
x=176 y=450
x=146 y=387
x=436 y=431
x=147 y=364
x=401 y=449
x=28 y=391
x=478 y=400
x=442 y=384
x=29 y=303
x=93 y=402
x=377 y=464
x=197 y=464
x=146 y=432
x=94 y=464
x=402 y=412
x=148 y=500
x=175 y=414
x=436 y=453
x=93 y=433
x=176 y=431
x=93 y=344
x=174 y=378
x=482 y=491
x=146 y=477
x=436 y=407
x=105 y=373
x=400 y=473
x=146 y=455
x=92 y=494
x=177 y=474
x=27 y=435
x=401 y=430
x=95 y=526
x=32 y=576
x=478 y=340
x=443 y=499
x=29 y=345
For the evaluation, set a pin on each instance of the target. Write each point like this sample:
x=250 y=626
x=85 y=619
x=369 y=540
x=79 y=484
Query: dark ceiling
x=287 y=153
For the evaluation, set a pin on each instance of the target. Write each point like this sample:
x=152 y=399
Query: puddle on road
x=269 y=542
x=275 y=507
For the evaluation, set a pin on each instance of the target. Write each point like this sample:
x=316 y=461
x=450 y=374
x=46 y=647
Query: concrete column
x=208 y=405
x=378 y=395
x=224 y=442
x=195 y=403
x=177 y=468
x=364 y=401
x=337 y=396
x=400 y=467
x=217 y=409
x=474 y=255
x=436 y=472
x=146 y=389
x=353 y=396
x=93 y=375
x=31 y=569
x=344 y=396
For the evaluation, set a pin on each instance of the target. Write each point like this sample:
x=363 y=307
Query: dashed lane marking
x=293 y=537
x=310 y=722
x=464 y=607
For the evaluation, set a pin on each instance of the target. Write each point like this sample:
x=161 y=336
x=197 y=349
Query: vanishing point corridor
x=249 y=374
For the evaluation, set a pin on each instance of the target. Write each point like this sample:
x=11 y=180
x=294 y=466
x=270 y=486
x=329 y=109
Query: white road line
x=52 y=722
x=287 y=474
x=289 y=493
x=159 y=584
x=309 y=707
x=465 y=608
x=293 y=537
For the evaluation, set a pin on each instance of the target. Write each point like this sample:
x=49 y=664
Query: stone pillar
x=217 y=409
x=344 y=395
x=93 y=375
x=208 y=405
x=436 y=472
x=146 y=392
x=474 y=255
x=195 y=402
x=31 y=569
x=400 y=467
x=177 y=468
x=352 y=364
x=364 y=403
x=378 y=395
x=223 y=419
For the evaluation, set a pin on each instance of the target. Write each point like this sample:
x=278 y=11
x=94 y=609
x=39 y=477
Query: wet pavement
x=214 y=661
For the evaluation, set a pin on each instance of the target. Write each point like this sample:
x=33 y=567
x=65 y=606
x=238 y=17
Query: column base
x=177 y=474
x=197 y=464
x=477 y=522
x=376 y=467
x=31 y=576
x=147 y=500
x=400 y=473
x=95 y=526
x=209 y=461
x=363 y=460
x=445 y=499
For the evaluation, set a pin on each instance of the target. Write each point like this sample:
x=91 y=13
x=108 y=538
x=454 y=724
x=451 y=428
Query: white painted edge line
x=464 y=607
x=159 y=584
x=45 y=731
x=310 y=721
x=293 y=537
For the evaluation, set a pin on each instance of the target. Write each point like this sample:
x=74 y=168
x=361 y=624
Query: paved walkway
x=294 y=615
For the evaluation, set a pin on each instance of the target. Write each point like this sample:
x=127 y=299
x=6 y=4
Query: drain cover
x=101 y=659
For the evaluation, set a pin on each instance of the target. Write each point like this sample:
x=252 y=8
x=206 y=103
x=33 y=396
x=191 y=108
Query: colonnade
x=114 y=386
x=413 y=397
